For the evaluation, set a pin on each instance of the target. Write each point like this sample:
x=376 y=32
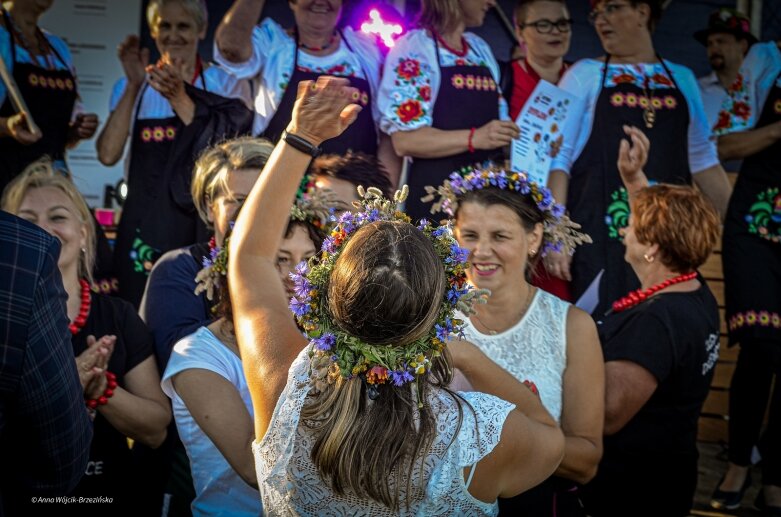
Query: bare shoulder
x=582 y=337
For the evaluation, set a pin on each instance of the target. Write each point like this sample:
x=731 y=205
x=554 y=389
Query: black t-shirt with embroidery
x=675 y=336
x=110 y=469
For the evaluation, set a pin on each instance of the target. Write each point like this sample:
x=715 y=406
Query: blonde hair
x=214 y=165
x=439 y=15
x=195 y=8
x=41 y=174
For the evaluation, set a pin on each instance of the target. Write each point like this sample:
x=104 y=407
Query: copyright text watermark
x=71 y=500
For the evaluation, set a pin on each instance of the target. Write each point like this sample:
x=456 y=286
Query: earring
x=649 y=258
x=532 y=253
x=84 y=250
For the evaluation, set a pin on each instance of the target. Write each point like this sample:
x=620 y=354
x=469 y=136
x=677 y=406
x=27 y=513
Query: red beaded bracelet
x=111 y=385
x=469 y=143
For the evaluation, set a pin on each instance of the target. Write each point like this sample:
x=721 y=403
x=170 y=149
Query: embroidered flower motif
x=425 y=93
x=741 y=110
x=670 y=102
x=737 y=85
x=623 y=78
x=146 y=135
x=777 y=107
x=643 y=101
x=656 y=102
x=42 y=81
x=764 y=215
x=170 y=132
x=458 y=81
x=617 y=99
x=69 y=84
x=408 y=69
x=364 y=98
x=631 y=100
x=724 y=121
x=51 y=82
x=158 y=134
x=336 y=69
x=763 y=318
x=661 y=79
x=409 y=110
x=617 y=216
x=460 y=62
x=32 y=79
x=60 y=83
x=470 y=82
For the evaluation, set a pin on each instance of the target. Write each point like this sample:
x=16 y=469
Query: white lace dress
x=534 y=349
x=290 y=485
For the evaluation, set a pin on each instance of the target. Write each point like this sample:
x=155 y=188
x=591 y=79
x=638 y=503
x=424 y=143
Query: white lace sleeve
x=482 y=426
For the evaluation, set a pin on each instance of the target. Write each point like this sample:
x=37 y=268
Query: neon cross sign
x=379 y=27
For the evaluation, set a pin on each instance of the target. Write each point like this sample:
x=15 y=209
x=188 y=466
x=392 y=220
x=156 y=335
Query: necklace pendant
x=649 y=117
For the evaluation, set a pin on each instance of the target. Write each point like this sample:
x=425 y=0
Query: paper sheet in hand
x=590 y=298
x=543 y=120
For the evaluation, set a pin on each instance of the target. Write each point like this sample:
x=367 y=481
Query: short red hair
x=680 y=220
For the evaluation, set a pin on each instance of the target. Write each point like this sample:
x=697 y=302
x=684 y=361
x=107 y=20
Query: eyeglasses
x=608 y=11
x=546 y=26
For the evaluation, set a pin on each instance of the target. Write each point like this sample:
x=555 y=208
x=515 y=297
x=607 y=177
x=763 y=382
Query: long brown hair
x=439 y=15
x=386 y=289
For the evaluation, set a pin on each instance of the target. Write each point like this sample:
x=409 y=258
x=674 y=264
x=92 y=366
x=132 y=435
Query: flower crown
x=336 y=354
x=315 y=207
x=560 y=232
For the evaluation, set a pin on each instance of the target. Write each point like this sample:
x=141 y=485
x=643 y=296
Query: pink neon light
x=379 y=27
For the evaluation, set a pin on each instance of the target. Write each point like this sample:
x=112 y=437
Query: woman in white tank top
x=507 y=224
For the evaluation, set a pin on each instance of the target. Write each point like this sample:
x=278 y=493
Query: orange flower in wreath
x=409 y=110
x=408 y=69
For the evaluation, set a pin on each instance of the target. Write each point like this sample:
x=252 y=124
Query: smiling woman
x=169 y=111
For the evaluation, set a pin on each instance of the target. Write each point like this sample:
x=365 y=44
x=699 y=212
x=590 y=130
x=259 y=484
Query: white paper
x=590 y=297
x=544 y=119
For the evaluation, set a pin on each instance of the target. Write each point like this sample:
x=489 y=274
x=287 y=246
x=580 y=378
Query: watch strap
x=301 y=144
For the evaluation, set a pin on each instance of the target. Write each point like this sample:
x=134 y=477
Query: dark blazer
x=45 y=432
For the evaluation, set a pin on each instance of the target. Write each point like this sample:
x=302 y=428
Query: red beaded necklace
x=640 y=295
x=81 y=319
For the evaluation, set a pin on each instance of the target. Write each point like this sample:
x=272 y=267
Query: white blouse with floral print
x=746 y=96
x=410 y=79
x=271 y=65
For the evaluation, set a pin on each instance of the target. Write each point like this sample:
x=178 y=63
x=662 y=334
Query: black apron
x=597 y=199
x=50 y=96
x=751 y=249
x=153 y=221
x=361 y=135
x=468 y=97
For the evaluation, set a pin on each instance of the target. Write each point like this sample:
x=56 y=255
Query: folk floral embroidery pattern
x=345 y=69
x=764 y=215
x=735 y=110
x=636 y=75
x=617 y=216
x=413 y=91
x=158 y=134
x=755 y=318
x=633 y=100
x=50 y=83
x=143 y=255
x=472 y=82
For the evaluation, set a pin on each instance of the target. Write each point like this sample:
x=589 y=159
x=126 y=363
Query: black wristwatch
x=301 y=144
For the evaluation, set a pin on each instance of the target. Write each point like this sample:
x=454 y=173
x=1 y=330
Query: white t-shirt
x=411 y=75
x=271 y=66
x=584 y=79
x=219 y=489
x=743 y=105
x=22 y=56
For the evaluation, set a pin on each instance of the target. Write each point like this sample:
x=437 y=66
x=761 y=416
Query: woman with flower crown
x=206 y=383
x=508 y=223
x=361 y=421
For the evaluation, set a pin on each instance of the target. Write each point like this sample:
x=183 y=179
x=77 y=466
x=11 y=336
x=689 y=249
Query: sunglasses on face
x=546 y=26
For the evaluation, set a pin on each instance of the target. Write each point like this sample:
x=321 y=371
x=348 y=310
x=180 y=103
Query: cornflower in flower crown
x=560 y=232
x=315 y=206
x=337 y=355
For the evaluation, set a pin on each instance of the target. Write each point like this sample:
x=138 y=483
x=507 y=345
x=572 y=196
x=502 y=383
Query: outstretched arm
x=268 y=338
x=234 y=34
